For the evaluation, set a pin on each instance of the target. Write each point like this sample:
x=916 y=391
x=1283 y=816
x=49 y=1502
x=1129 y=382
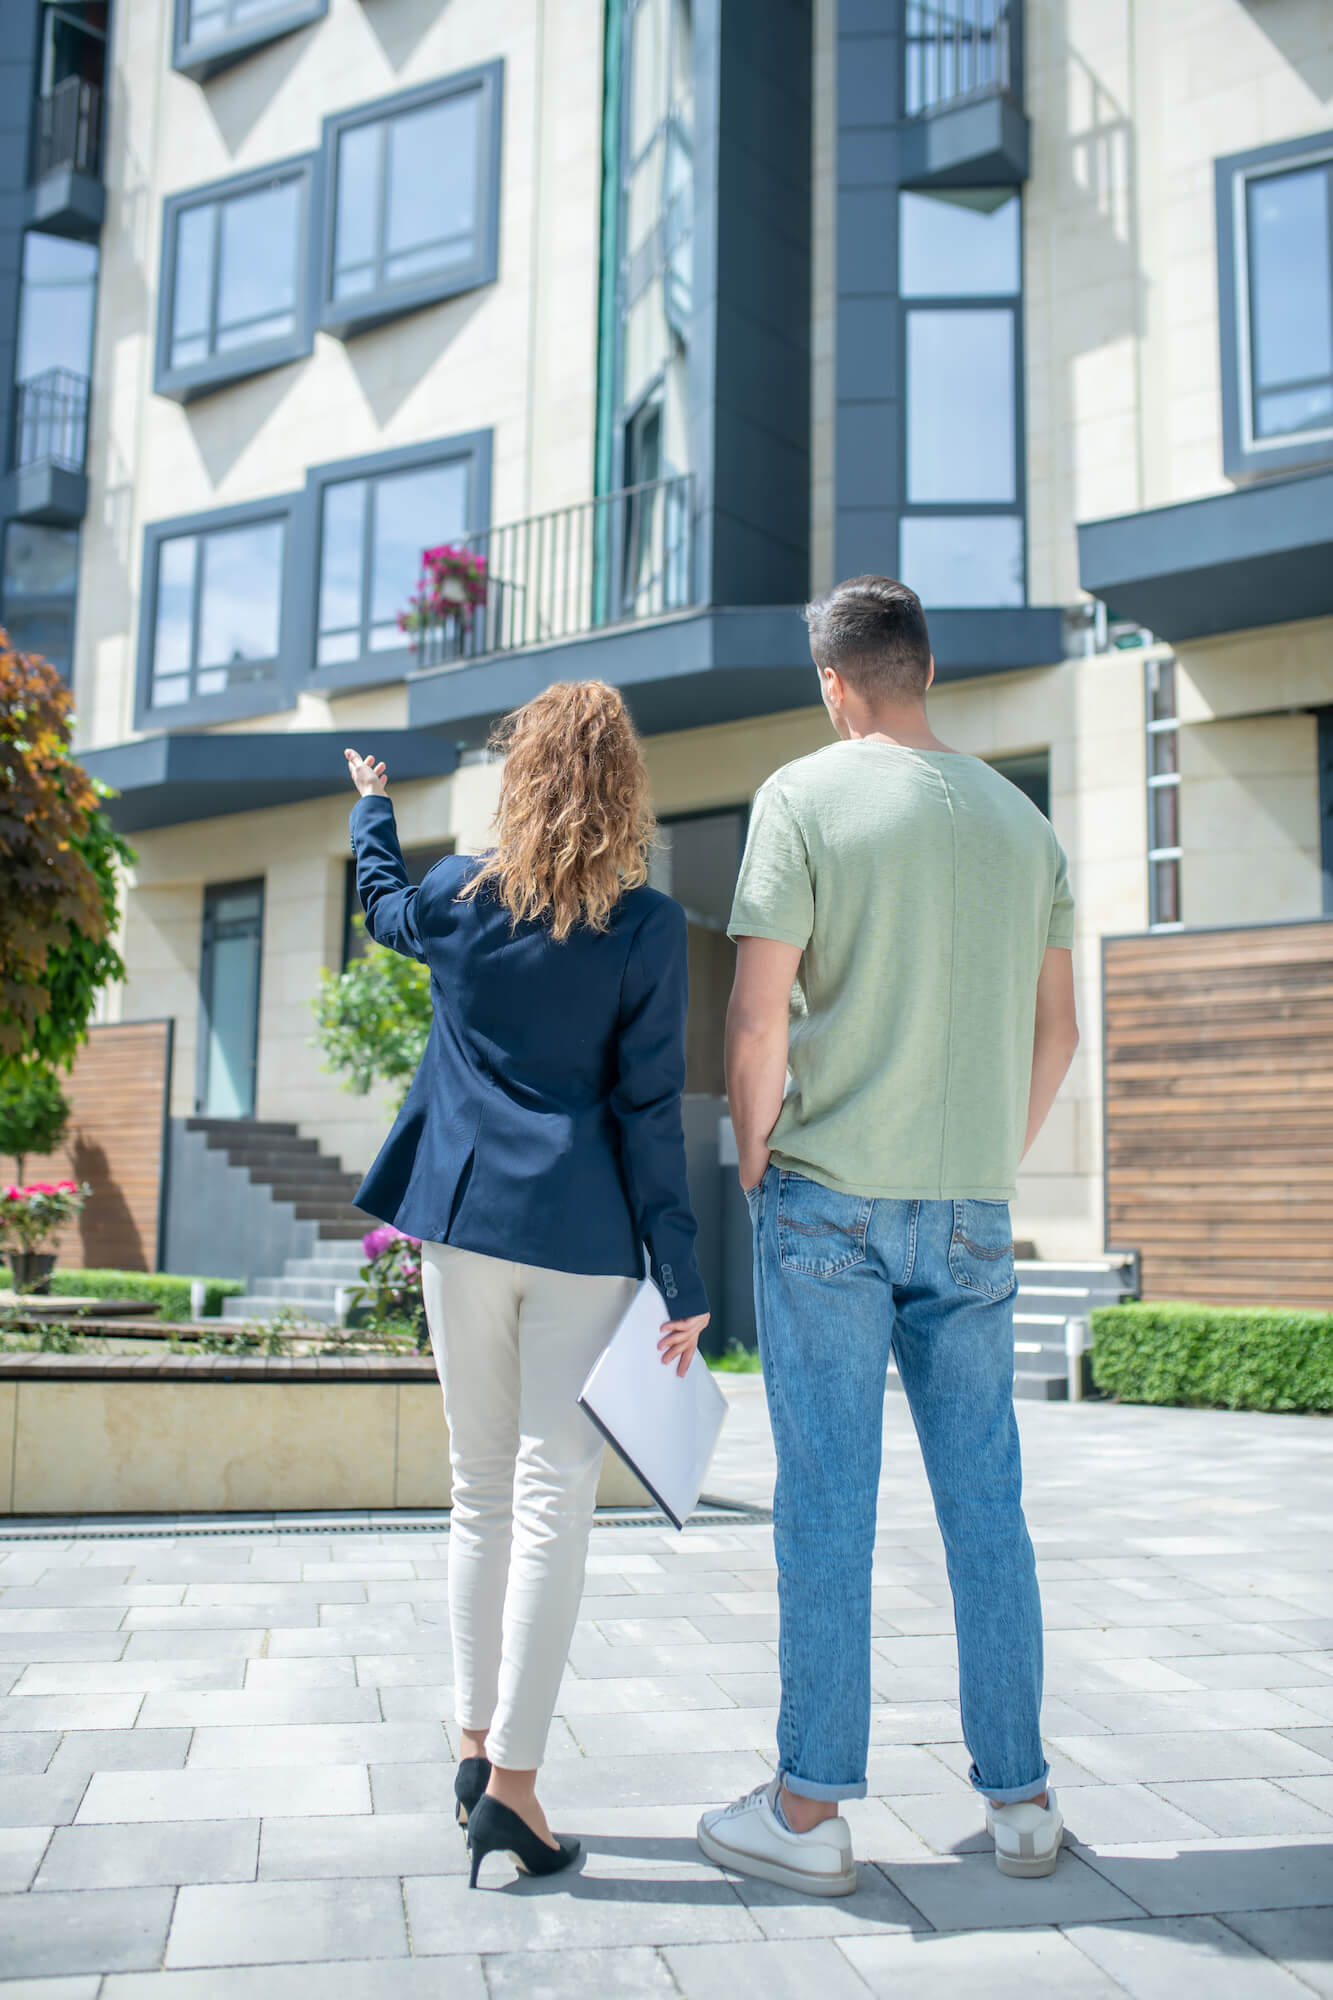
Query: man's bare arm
x=757 y=1046
x=1055 y=1037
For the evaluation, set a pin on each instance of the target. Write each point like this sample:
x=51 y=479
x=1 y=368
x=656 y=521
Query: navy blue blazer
x=543 y=1125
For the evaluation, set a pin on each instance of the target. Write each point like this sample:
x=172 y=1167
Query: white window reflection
x=960 y=406
x=57 y=299
x=1291 y=301
x=235 y=276
x=407 y=203
x=962 y=561
x=373 y=532
x=959 y=243
x=219 y=610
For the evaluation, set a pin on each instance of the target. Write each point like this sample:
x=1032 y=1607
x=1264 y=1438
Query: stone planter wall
x=178 y=1434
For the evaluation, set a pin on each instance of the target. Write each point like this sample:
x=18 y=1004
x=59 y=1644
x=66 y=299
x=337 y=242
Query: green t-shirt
x=923 y=889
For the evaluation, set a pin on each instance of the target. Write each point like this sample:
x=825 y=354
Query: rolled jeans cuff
x=806 y=1788
x=1016 y=1794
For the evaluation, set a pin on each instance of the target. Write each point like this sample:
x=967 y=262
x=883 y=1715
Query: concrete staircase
x=308 y=1286
x=1050 y=1294
x=317 y=1195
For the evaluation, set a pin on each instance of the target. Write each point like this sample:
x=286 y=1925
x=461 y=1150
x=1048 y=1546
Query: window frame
x=270 y=696
x=345 y=317
x=203 y=59
x=395 y=664
x=1013 y=304
x=1245 y=457
x=183 y=384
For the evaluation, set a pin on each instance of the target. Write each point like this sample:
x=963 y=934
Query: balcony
x=961 y=95
x=50 y=444
x=615 y=560
x=66 y=195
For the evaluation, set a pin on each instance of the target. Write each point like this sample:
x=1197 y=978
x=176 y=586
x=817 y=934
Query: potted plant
x=452 y=585
x=29 y=1218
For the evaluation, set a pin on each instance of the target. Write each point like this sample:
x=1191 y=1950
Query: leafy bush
x=34 y=1112
x=1231 y=1358
x=171 y=1293
x=736 y=1360
x=372 y=1020
x=388 y=1299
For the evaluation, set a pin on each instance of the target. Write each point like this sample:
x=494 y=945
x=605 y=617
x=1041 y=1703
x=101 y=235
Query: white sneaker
x=749 y=1837
x=1027 y=1836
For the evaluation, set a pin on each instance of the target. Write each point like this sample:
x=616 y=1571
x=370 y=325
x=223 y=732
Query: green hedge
x=1231 y=1358
x=172 y=1294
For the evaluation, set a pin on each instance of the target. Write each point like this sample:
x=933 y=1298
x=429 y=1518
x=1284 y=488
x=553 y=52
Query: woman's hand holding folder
x=680 y=1338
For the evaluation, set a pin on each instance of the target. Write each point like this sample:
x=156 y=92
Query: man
x=918 y=905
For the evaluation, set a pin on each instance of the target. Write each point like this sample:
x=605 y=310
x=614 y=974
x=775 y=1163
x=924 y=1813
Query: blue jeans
x=840 y=1283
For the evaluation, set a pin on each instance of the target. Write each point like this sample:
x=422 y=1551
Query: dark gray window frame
x=271 y=696
x=1013 y=304
x=1243 y=458
x=474 y=447
x=344 y=317
x=203 y=59
x=183 y=384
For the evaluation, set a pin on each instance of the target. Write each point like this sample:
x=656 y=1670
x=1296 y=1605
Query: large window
x=1275 y=262
x=412 y=199
x=960 y=277
x=374 y=521
x=1164 y=849
x=57 y=301
x=234 y=294
x=210 y=34
x=214 y=613
x=38 y=589
x=953 y=50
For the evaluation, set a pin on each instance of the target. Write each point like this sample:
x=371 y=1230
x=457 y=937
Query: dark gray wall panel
x=18 y=69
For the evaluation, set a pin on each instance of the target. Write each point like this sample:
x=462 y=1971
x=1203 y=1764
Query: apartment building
x=671 y=312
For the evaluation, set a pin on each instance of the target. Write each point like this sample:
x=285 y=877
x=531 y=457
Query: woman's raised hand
x=366 y=774
x=679 y=1339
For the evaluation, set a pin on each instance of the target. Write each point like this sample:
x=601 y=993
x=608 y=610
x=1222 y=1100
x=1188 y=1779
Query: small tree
x=372 y=1020
x=34 y=1112
x=59 y=853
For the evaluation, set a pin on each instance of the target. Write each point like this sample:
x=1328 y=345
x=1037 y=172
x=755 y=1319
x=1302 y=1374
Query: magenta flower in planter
x=453 y=583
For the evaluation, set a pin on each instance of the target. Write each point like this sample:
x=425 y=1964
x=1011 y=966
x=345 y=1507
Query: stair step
x=276 y=1128
x=297 y=1291
x=346 y=1232
x=255 y=1306
x=344 y=1269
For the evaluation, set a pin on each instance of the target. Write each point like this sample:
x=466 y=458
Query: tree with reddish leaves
x=59 y=855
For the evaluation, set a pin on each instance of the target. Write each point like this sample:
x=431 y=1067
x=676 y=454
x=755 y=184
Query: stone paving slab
x=225 y=1763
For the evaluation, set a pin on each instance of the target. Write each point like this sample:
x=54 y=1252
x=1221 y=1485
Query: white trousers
x=513 y=1344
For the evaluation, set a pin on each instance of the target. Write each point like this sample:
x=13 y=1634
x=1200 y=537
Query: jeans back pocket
x=981 y=1252
x=820 y=1232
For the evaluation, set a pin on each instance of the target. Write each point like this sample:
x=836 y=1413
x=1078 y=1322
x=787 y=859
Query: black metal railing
x=67 y=129
x=51 y=419
x=956 y=49
x=608 y=561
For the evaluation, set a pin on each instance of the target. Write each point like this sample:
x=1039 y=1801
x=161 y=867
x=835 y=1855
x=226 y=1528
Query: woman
x=538 y=1151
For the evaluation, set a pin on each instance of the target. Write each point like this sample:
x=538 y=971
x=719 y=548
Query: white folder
x=662 y=1424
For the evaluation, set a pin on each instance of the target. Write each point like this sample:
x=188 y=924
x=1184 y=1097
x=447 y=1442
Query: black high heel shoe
x=494 y=1829
x=474 y=1774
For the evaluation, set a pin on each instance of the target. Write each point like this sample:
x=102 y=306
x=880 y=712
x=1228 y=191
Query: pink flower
x=376 y=1241
x=67 y=1187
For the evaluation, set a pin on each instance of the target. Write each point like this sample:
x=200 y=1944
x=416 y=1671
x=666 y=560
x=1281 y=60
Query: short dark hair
x=873 y=631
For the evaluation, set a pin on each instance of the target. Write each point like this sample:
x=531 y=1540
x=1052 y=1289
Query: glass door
x=229 y=999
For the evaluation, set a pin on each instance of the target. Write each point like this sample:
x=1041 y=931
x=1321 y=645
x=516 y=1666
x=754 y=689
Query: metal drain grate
x=711 y=1514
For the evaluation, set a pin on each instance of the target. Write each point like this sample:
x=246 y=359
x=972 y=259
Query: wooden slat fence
x=116 y=1142
x=1219 y=1112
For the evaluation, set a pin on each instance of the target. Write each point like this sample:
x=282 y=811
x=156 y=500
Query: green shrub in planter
x=1231 y=1358
x=171 y=1294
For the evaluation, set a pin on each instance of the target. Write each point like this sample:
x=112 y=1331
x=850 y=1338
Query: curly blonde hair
x=574 y=824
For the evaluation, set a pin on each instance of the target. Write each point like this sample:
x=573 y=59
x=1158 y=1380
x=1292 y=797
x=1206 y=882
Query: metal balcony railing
x=51 y=420
x=955 y=49
x=67 y=129
x=603 y=562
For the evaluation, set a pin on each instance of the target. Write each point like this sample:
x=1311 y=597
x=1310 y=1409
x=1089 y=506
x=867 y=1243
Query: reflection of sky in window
x=1291 y=295
x=413 y=510
x=241 y=594
x=960 y=406
x=257 y=270
x=39 y=561
x=957 y=560
x=175 y=603
x=432 y=187
x=56 y=305
x=959 y=243
x=341 y=556
x=357 y=217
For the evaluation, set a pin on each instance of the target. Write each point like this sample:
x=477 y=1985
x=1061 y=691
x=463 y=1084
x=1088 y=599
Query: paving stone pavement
x=226 y=1766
